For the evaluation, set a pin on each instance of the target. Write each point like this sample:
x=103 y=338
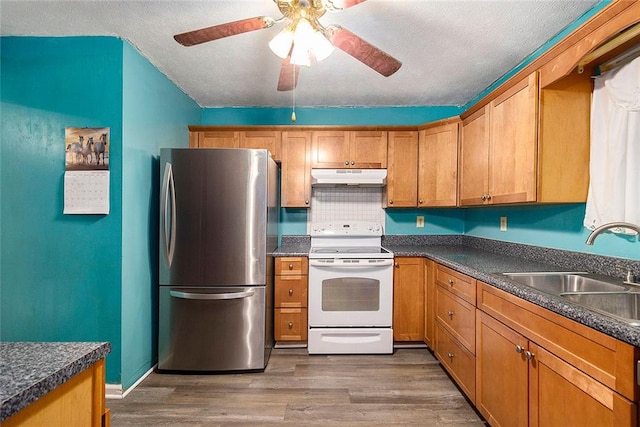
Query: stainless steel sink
x=625 y=305
x=559 y=283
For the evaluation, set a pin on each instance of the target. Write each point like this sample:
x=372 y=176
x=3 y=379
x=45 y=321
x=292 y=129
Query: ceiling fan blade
x=288 y=75
x=216 y=32
x=363 y=51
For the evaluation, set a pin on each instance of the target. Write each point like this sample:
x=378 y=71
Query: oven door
x=350 y=292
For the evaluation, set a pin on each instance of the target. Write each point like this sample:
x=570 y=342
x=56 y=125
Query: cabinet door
x=438 y=166
x=402 y=170
x=262 y=139
x=330 y=149
x=501 y=373
x=562 y=395
x=408 y=299
x=512 y=156
x=368 y=149
x=429 y=302
x=474 y=159
x=218 y=139
x=296 y=170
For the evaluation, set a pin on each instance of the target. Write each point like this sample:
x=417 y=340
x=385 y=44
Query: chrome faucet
x=608 y=226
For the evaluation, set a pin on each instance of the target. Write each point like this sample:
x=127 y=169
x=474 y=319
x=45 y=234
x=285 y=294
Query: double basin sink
x=590 y=291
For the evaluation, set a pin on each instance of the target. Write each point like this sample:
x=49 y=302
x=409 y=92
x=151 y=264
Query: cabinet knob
x=529 y=355
x=450 y=313
x=290 y=292
x=290 y=325
x=451 y=282
x=290 y=266
x=450 y=355
x=396 y=265
x=420 y=201
x=519 y=349
x=488 y=196
x=390 y=202
x=352 y=162
x=346 y=162
x=306 y=202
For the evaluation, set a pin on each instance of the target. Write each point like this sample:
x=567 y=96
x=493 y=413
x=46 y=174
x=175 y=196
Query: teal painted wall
x=155 y=115
x=556 y=226
x=436 y=221
x=309 y=116
x=60 y=273
x=83 y=277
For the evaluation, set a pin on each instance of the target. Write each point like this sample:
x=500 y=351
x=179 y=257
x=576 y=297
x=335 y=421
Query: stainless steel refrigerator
x=218 y=229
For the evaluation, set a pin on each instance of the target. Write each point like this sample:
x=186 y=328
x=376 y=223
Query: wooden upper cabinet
x=513 y=143
x=349 y=149
x=296 y=170
x=330 y=149
x=438 y=166
x=528 y=145
x=270 y=140
x=402 y=169
x=498 y=149
x=474 y=158
x=218 y=139
x=368 y=149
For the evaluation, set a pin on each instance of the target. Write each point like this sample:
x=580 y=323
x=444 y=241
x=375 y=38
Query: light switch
x=420 y=221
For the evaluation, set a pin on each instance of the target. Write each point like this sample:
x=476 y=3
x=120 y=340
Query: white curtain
x=614 y=187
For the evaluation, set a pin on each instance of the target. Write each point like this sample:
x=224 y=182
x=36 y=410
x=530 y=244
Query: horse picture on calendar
x=86 y=148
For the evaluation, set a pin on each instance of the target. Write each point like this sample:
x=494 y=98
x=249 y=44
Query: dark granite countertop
x=29 y=370
x=486 y=259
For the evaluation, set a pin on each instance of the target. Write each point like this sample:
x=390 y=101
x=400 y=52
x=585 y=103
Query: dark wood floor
x=408 y=387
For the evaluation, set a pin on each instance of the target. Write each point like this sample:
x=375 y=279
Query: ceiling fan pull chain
x=293 y=112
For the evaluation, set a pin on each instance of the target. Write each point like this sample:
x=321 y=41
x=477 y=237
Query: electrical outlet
x=503 y=223
x=420 y=221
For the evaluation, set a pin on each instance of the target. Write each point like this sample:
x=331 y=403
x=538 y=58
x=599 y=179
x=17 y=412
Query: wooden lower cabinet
x=521 y=383
x=457 y=360
x=78 y=402
x=501 y=373
x=408 y=299
x=561 y=395
x=290 y=317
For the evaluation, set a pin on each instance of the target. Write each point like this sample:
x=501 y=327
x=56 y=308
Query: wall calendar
x=86 y=177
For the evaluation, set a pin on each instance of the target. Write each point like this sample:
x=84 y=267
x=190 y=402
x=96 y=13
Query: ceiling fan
x=303 y=38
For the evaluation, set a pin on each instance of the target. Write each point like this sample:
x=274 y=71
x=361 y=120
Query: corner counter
x=56 y=383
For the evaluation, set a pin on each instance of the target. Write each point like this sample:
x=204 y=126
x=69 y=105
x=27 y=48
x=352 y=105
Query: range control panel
x=350 y=228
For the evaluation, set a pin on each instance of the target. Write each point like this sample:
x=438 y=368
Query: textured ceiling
x=450 y=50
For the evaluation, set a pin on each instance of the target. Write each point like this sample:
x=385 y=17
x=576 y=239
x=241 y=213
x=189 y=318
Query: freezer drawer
x=213 y=329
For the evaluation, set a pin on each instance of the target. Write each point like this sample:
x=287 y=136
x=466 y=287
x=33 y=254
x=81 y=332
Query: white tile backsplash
x=346 y=204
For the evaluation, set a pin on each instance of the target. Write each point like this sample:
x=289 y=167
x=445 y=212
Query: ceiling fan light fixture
x=281 y=43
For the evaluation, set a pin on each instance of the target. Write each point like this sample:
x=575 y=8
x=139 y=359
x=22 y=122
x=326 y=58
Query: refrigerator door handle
x=168 y=202
x=232 y=295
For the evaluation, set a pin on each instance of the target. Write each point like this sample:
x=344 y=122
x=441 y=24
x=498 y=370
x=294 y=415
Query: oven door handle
x=341 y=264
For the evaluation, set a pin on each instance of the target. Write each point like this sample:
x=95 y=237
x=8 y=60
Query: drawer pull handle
x=290 y=292
x=290 y=266
x=451 y=282
x=529 y=355
x=290 y=325
x=519 y=349
x=450 y=313
x=450 y=355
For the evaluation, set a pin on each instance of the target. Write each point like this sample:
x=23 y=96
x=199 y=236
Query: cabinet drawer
x=291 y=266
x=291 y=291
x=290 y=324
x=457 y=361
x=457 y=317
x=457 y=283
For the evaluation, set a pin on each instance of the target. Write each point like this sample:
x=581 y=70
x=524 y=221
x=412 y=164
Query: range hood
x=355 y=177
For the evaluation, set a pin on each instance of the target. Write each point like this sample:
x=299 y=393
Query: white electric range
x=350 y=289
